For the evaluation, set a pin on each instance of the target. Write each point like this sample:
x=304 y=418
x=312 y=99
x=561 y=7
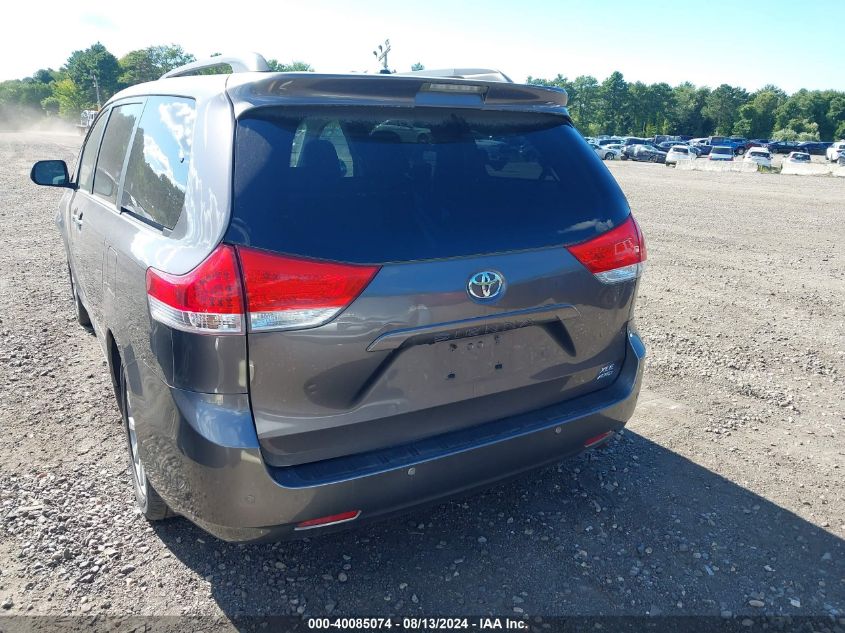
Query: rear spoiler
x=250 y=90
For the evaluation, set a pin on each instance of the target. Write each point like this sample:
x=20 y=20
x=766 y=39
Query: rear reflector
x=332 y=519
x=285 y=293
x=598 y=439
x=614 y=256
x=206 y=300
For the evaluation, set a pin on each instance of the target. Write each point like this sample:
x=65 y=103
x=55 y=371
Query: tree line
x=90 y=77
x=616 y=106
x=613 y=106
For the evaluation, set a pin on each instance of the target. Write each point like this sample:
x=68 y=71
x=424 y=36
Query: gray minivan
x=312 y=320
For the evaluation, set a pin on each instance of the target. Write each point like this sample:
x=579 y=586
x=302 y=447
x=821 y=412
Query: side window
x=157 y=171
x=89 y=154
x=113 y=150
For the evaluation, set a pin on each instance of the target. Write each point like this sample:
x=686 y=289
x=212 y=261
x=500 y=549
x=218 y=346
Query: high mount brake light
x=614 y=256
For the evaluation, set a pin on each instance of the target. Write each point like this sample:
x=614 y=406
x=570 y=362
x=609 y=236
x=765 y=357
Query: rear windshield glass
x=386 y=185
x=722 y=150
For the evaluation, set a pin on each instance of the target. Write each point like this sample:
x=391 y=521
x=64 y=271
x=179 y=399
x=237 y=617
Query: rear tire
x=148 y=501
x=79 y=310
x=608 y=156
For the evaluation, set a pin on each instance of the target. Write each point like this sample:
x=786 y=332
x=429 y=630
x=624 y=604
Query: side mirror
x=51 y=173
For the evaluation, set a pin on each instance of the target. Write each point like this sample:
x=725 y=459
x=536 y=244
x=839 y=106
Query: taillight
x=207 y=299
x=284 y=293
x=614 y=256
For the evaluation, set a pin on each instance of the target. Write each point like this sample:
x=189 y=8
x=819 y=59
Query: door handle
x=76 y=218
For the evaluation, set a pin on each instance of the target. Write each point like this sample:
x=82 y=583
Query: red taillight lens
x=614 y=256
x=207 y=299
x=285 y=293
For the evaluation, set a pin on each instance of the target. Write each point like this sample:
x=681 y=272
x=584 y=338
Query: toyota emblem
x=486 y=285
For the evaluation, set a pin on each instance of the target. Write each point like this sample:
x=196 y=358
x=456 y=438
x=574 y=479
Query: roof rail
x=478 y=74
x=250 y=62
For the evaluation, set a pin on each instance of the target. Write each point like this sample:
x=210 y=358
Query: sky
x=748 y=43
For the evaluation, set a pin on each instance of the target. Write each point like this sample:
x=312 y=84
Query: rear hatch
x=407 y=273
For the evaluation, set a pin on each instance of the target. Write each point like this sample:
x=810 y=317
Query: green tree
x=648 y=106
x=417 y=67
x=94 y=64
x=50 y=105
x=757 y=116
x=613 y=102
x=685 y=115
x=71 y=98
x=836 y=115
x=294 y=66
x=149 y=64
x=722 y=107
x=583 y=103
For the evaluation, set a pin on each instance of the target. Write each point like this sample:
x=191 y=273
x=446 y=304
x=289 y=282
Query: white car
x=801 y=158
x=679 y=153
x=722 y=152
x=758 y=155
x=605 y=152
x=834 y=152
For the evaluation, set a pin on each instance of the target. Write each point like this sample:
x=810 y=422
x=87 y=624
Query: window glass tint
x=113 y=149
x=361 y=185
x=89 y=154
x=157 y=172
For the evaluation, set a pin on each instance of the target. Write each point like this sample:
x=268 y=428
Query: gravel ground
x=723 y=496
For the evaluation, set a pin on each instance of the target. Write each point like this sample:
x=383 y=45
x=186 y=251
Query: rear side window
x=89 y=154
x=360 y=185
x=157 y=171
x=113 y=150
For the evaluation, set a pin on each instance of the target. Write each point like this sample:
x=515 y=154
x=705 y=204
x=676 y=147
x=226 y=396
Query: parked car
x=288 y=353
x=798 y=157
x=702 y=145
x=835 y=151
x=813 y=147
x=606 y=153
x=635 y=140
x=665 y=146
x=758 y=155
x=679 y=153
x=406 y=130
x=782 y=147
x=646 y=153
x=722 y=152
x=739 y=144
x=758 y=142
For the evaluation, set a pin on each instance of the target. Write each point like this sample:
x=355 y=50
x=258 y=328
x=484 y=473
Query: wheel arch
x=115 y=366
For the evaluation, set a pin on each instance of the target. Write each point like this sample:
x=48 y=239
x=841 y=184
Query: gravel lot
x=723 y=496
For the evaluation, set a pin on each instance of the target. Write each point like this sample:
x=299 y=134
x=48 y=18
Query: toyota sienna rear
x=328 y=298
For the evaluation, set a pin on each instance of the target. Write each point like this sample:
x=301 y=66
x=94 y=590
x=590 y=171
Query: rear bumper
x=202 y=455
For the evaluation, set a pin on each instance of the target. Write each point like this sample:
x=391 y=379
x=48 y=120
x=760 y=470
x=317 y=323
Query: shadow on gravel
x=631 y=529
